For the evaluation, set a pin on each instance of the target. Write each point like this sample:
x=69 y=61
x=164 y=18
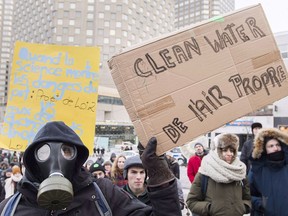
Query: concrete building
x=110 y=25
x=192 y=11
x=6 y=17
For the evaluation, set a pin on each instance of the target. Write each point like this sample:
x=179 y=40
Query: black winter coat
x=164 y=201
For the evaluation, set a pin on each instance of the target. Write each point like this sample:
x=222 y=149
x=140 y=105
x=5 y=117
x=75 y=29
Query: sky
x=276 y=12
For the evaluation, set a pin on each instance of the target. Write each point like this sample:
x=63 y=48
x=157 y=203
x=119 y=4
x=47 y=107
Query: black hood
x=56 y=131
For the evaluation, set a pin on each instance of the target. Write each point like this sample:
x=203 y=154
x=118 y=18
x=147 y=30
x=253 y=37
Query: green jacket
x=220 y=198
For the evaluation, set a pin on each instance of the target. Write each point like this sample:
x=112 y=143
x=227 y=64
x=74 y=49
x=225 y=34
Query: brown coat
x=223 y=199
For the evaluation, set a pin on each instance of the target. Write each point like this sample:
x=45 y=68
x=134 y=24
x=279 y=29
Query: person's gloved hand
x=156 y=166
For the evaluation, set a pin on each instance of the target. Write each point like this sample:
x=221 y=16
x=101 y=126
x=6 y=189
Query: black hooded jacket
x=164 y=200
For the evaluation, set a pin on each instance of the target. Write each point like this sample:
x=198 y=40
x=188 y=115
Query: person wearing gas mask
x=55 y=183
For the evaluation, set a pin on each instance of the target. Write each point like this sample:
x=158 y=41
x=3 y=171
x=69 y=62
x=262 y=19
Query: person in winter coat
x=226 y=189
x=136 y=176
x=195 y=161
x=117 y=169
x=248 y=146
x=11 y=183
x=56 y=183
x=269 y=173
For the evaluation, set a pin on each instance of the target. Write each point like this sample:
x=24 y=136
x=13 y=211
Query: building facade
x=192 y=11
x=6 y=17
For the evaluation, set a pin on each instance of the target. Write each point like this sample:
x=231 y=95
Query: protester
x=173 y=164
x=220 y=186
x=97 y=170
x=248 y=146
x=136 y=176
x=117 y=171
x=269 y=173
x=56 y=183
x=112 y=157
x=99 y=159
x=195 y=161
x=11 y=182
x=107 y=166
x=88 y=164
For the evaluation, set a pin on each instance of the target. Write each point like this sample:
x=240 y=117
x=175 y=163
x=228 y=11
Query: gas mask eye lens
x=43 y=152
x=68 y=151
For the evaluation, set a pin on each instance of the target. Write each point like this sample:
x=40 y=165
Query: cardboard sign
x=195 y=80
x=51 y=83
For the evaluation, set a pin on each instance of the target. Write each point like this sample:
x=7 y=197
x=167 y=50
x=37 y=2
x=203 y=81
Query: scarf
x=221 y=171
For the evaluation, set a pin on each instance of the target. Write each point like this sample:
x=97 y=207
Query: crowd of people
x=54 y=177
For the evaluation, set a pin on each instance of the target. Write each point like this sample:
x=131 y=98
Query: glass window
x=89 y=32
x=71 y=39
x=60 y=5
x=118 y=24
x=106 y=23
x=77 y=30
x=106 y=40
x=71 y=22
x=58 y=38
x=112 y=32
x=118 y=41
x=89 y=41
x=107 y=7
x=60 y=22
x=101 y=15
x=90 y=16
x=90 y=8
x=72 y=5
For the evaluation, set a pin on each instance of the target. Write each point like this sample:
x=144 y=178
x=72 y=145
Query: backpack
x=101 y=204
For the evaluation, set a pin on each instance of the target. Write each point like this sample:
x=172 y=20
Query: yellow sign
x=51 y=83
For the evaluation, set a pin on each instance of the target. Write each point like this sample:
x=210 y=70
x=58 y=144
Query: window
x=118 y=24
x=72 y=5
x=89 y=41
x=91 y=1
x=90 y=16
x=101 y=15
x=106 y=40
x=89 y=32
x=60 y=22
x=61 y=5
x=118 y=41
x=90 y=25
x=77 y=30
x=90 y=8
x=58 y=38
x=65 y=30
x=107 y=7
x=71 y=39
x=71 y=22
x=112 y=32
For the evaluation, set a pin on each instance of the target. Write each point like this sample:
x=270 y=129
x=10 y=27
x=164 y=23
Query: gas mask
x=56 y=163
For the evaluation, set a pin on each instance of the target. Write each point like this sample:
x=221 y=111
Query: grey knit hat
x=133 y=161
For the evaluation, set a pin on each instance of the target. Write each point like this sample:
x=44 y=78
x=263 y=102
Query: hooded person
x=247 y=148
x=56 y=183
x=220 y=186
x=269 y=173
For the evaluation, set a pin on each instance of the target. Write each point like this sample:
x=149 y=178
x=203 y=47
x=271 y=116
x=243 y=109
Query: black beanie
x=96 y=167
x=256 y=125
